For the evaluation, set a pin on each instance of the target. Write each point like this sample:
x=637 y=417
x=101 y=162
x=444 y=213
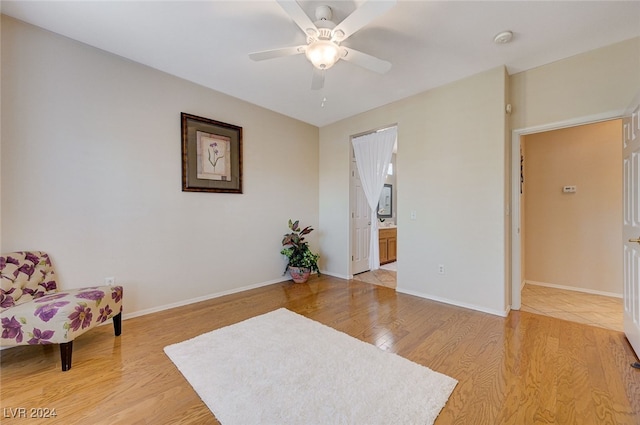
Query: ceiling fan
x=323 y=47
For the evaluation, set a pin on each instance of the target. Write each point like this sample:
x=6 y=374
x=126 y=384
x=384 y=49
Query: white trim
x=574 y=288
x=516 y=274
x=198 y=299
x=516 y=278
x=574 y=122
x=340 y=276
x=181 y=303
x=504 y=313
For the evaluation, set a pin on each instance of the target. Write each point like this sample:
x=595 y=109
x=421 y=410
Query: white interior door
x=631 y=229
x=360 y=225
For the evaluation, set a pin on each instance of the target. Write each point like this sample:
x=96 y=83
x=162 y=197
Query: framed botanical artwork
x=211 y=155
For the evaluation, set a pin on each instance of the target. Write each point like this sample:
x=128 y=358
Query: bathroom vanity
x=388 y=243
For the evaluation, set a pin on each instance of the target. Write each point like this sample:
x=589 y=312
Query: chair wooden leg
x=65 y=355
x=117 y=324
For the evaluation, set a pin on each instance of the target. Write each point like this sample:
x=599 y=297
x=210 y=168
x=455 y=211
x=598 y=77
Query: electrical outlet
x=110 y=281
x=440 y=268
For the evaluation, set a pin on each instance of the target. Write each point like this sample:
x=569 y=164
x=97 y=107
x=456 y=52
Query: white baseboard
x=199 y=299
x=216 y=295
x=183 y=303
x=573 y=288
x=504 y=313
x=339 y=276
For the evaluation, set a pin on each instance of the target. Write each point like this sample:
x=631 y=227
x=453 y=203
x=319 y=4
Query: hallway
x=596 y=310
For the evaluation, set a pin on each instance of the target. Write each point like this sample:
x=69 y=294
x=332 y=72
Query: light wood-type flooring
x=590 y=309
x=523 y=369
x=381 y=277
x=580 y=307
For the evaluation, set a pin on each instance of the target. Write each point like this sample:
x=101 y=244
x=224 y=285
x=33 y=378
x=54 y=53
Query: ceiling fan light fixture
x=323 y=54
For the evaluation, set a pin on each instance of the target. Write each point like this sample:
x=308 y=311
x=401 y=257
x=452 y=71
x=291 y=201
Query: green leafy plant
x=297 y=249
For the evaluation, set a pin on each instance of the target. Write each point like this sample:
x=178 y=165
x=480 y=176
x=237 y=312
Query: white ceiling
x=429 y=43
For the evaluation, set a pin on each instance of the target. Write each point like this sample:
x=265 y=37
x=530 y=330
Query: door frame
x=516 y=254
x=352 y=156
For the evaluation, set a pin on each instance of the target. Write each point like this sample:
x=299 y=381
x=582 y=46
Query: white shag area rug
x=281 y=368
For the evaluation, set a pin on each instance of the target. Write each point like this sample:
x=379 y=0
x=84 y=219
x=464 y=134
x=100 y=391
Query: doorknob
x=635 y=240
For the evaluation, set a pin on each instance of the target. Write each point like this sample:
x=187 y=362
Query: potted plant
x=302 y=262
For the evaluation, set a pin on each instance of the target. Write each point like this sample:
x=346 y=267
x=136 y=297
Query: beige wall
x=602 y=81
x=574 y=239
x=451 y=172
x=91 y=172
x=507 y=189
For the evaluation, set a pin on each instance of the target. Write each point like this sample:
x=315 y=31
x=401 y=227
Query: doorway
x=567 y=210
x=360 y=229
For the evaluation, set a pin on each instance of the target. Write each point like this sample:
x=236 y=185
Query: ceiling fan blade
x=366 y=61
x=277 y=53
x=301 y=19
x=360 y=17
x=317 y=81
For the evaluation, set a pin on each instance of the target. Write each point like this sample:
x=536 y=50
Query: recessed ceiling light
x=503 y=38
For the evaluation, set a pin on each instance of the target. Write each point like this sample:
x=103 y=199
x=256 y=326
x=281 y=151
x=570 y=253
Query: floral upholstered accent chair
x=33 y=311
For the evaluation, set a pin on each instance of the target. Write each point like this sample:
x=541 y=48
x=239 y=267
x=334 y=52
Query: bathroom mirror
x=385 y=209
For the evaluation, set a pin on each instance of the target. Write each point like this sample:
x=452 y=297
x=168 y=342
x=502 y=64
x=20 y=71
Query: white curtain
x=373 y=154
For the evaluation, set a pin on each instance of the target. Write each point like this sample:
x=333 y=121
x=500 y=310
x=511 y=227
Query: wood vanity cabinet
x=388 y=243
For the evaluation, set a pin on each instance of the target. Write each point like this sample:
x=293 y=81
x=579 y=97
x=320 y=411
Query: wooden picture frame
x=211 y=155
